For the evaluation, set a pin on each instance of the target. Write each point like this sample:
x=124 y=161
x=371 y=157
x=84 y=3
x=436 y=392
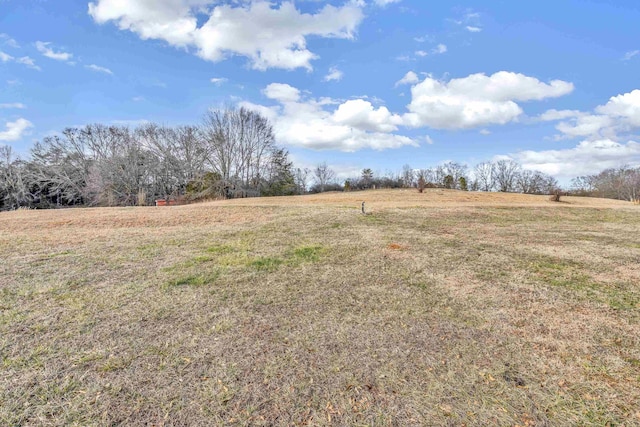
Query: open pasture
x=441 y=308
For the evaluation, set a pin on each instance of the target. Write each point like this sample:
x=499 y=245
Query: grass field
x=442 y=308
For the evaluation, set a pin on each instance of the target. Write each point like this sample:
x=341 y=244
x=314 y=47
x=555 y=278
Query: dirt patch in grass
x=445 y=308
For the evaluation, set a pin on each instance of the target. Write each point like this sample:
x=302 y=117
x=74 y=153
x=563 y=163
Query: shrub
x=555 y=196
x=422 y=183
x=449 y=182
x=206 y=186
x=463 y=183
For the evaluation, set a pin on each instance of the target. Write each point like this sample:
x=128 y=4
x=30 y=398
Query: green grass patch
x=59 y=254
x=221 y=249
x=293 y=257
x=194 y=280
x=266 y=263
x=308 y=253
x=150 y=250
x=571 y=275
x=202 y=259
x=633 y=362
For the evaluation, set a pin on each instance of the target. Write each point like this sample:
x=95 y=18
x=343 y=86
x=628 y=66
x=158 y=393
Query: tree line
x=501 y=175
x=233 y=153
x=615 y=183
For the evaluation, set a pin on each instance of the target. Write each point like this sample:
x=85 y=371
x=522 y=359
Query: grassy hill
x=442 y=308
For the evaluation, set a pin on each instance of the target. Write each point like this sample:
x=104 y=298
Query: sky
x=355 y=83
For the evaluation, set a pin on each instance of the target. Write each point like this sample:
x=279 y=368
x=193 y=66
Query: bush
x=422 y=183
x=328 y=187
x=463 y=183
x=206 y=186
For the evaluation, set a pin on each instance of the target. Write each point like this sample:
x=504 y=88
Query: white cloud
x=439 y=49
x=138 y=98
x=4 y=57
x=15 y=130
x=421 y=53
x=25 y=60
x=585 y=158
x=585 y=125
x=44 y=49
x=625 y=107
x=552 y=115
x=477 y=100
x=98 y=69
x=469 y=20
x=409 y=78
x=16 y=105
x=219 y=81
x=383 y=3
x=627 y=56
x=485 y=132
x=9 y=41
x=130 y=122
x=334 y=74
x=423 y=39
x=276 y=39
x=282 y=92
x=361 y=114
x=619 y=115
x=473 y=101
x=317 y=124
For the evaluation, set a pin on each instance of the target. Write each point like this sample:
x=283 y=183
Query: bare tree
x=535 y=182
x=505 y=174
x=631 y=184
x=14 y=188
x=323 y=175
x=422 y=180
x=484 y=175
x=621 y=183
x=367 y=177
x=301 y=177
x=526 y=182
x=180 y=155
x=408 y=176
x=438 y=174
x=60 y=166
x=584 y=185
x=455 y=171
x=238 y=144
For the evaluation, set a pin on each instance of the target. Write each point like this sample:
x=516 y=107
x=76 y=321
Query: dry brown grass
x=441 y=308
x=381 y=199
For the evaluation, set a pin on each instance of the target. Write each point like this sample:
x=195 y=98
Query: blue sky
x=375 y=83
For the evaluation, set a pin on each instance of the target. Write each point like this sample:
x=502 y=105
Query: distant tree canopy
x=621 y=183
x=503 y=175
x=232 y=153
